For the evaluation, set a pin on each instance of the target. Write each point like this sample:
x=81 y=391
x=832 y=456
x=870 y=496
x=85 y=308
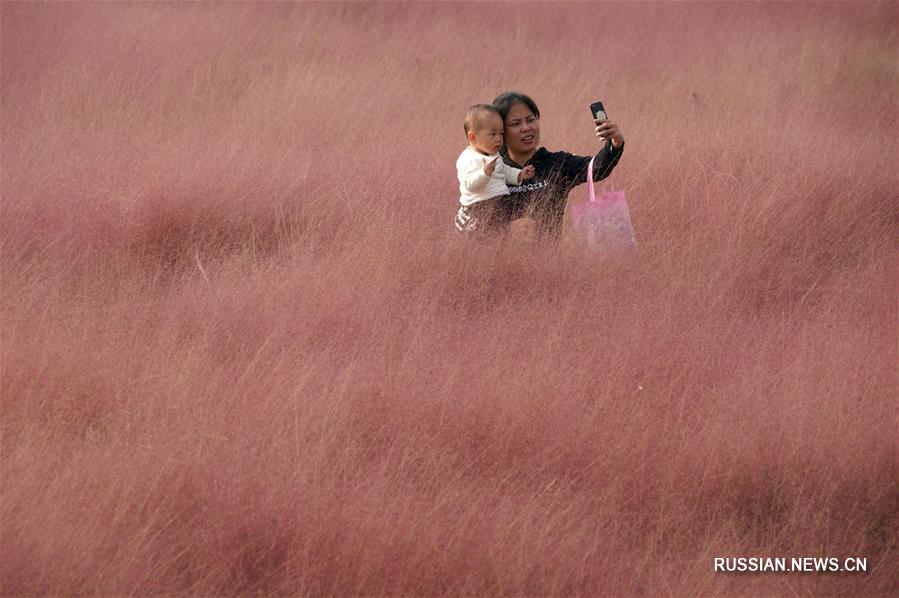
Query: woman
x=556 y=173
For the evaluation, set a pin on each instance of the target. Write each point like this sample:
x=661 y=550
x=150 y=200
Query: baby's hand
x=490 y=166
x=526 y=173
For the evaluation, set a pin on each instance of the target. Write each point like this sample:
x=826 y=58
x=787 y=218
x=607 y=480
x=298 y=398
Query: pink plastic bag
x=604 y=223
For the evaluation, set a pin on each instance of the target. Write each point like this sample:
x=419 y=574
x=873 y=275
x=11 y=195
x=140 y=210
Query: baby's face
x=488 y=134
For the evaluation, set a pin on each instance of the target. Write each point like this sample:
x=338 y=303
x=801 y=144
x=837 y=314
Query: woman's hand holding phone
x=605 y=129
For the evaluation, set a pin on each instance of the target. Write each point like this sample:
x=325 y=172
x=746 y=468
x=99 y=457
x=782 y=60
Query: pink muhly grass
x=244 y=353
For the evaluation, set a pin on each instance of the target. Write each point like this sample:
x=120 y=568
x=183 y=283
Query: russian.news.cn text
x=791 y=565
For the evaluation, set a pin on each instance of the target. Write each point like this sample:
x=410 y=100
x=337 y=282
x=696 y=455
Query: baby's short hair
x=475 y=115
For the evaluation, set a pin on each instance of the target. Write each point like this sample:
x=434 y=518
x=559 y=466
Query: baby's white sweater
x=475 y=185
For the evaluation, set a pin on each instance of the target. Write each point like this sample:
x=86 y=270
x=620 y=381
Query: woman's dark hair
x=504 y=102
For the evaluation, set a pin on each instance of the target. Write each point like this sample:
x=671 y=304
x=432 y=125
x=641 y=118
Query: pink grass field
x=243 y=352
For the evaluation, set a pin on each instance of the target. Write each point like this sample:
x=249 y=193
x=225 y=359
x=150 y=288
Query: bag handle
x=591 y=192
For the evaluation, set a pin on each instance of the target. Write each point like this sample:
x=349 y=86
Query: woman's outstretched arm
x=607 y=157
x=574 y=167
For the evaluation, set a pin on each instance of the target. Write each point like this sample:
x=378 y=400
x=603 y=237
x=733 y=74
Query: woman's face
x=522 y=129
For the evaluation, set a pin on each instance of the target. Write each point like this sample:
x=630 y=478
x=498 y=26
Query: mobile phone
x=598 y=111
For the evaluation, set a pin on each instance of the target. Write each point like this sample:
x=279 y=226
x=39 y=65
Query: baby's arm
x=472 y=176
x=515 y=176
x=512 y=174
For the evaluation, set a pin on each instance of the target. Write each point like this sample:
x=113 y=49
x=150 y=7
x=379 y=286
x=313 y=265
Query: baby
x=483 y=177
